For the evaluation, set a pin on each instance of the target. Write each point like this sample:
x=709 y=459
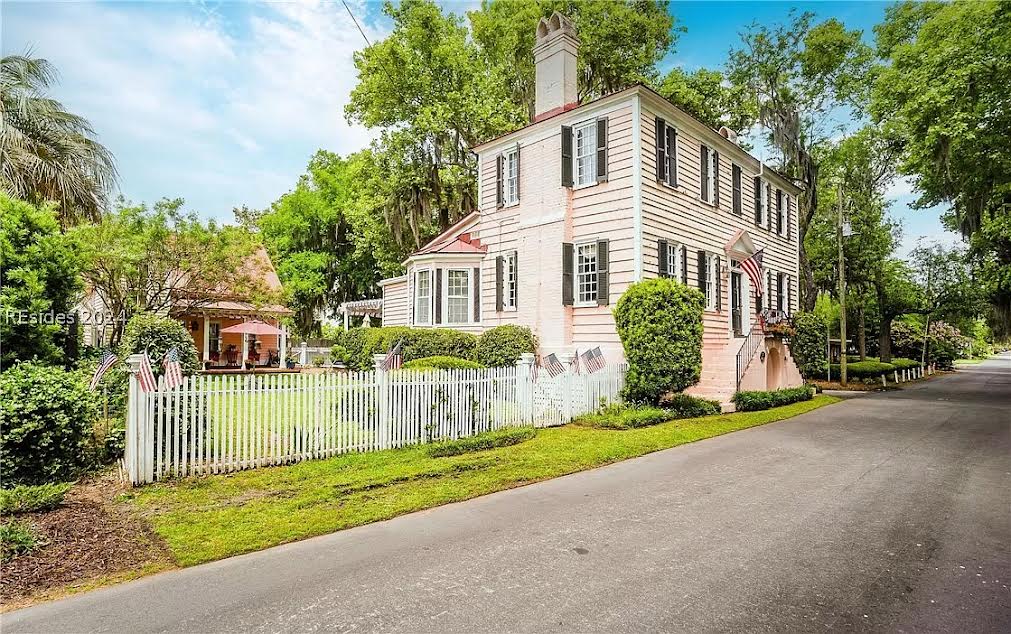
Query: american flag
x=553 y=365
x=145 y=376
x=173 y=370
x=536 y=369
x=394 y=359
x=753 y=267
x=593 y=360
x=104 y=363
x=574 y=365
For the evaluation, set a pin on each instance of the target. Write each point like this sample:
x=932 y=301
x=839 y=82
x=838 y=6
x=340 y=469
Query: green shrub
x=758 y=400
x=863 y=369
x=503 y=345
x=685 y=406
x=480 y=442
x=442 y=363
x=362 y=343
x=17 y=538
x=28 y=498
x=46 y=417
x=808 y=344
x=904 y=364
x=622 y=416
x=660 y=325
x=157 y=335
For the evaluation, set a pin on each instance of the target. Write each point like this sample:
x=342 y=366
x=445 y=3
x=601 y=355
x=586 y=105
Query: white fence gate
x=222 y=423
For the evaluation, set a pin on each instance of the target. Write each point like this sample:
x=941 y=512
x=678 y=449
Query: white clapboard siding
x=222 y=423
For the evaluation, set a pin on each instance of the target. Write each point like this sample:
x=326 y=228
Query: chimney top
x=555 y=60
x=728 y=134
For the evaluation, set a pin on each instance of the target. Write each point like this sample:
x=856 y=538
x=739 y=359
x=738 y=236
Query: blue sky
x=223 y=103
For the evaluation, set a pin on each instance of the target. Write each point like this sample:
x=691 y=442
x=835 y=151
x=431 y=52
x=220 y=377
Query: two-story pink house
x=589 y=198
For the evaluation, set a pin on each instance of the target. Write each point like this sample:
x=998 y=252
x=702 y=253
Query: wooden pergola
x=367 y=308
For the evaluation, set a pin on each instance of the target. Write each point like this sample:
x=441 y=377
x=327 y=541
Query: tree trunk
x=809 y=201
x=885 y=340
x=861 y=332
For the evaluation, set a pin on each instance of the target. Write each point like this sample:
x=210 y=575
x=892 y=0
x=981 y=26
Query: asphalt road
x=888 y=512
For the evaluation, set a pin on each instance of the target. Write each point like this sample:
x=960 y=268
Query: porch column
x=283 y=347
x=207 y=339
x=245 y=350
x=345 y=320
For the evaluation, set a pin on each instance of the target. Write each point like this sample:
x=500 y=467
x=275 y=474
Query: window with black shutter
x=566 y=156
x=738 y=198
x=716 y=178
x=567 y=273
x=663 y=268
x=758 y=201
x=601 y=149
x=603 y=279
x=779 y=211
x=705 y=187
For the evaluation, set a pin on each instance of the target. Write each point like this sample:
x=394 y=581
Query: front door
x=735 y=303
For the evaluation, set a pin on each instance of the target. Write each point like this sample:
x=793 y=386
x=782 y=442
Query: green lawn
x=968 y=361
x=202 y=519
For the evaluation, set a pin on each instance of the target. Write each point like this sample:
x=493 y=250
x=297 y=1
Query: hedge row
x=496 y=347
x=487 y=440
x=759 y=400
x=620 y=416
x=442 y=363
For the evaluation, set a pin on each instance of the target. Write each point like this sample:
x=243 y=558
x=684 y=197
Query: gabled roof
x=456 y=239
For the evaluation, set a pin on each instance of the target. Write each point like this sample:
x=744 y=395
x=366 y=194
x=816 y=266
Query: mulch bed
x=85 y=539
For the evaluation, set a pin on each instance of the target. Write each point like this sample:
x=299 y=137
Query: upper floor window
x=584 y=139
x=710 y=164
x=761 y=202
x=738 y=197
x=458 y=300
x=586 y=273
x=780 y=211
x=423 y=297
x=674 y=268
x=509 y=294
x=780 y=281
x=511 y=169
x=666 y=153
x=712 y=274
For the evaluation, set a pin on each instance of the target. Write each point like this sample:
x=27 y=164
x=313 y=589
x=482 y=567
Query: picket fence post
x=382 y=402
x=525 y=387
x=139 y=450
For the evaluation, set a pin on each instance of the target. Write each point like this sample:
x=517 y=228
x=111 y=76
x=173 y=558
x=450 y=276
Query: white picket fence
x=222 y=423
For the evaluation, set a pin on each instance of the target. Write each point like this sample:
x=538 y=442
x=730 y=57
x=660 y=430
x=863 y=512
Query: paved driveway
x=885 y=512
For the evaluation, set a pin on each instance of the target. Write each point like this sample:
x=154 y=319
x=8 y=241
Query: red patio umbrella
x=255 y=327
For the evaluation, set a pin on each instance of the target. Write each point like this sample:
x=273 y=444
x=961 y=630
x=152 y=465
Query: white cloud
x=902 y=187
x=219 y=104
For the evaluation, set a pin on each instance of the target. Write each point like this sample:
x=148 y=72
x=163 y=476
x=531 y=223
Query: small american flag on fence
x=173 y=369
x=394 y=358
x=553 y=365
x=107 y=360
x=593 y=360
x=145 y=376
x=753 y=267
x=574 y=364
x=535 y=370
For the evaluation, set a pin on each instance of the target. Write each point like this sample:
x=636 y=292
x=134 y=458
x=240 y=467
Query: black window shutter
x=661 y=150
x=704 y=170
x=779 y=291
x=672 y=155
x=758 y=201
x=601 y=149
x=661 y=256
x=499 y=283
x=702 y=272
x=603 y=282
x=566 y=156
x=716 y=178
x=735 y=171
x=684 y=264
x=477 y=294
x=499 y=181
x=768 y=198
x=779 y=210
x=789 y=212
x=717 y=283
x=567 y=262
x=788 y=288
x=438 y=296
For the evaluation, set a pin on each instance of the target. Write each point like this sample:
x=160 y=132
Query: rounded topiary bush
x=808 y=345
x=157 y=334
x=503 y=345
x=46 y=416
x=442 y=363
x=660 y=325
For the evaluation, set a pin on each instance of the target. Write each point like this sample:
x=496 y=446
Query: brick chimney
x=555 y=55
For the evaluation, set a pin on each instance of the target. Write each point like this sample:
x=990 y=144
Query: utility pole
x=842 y=288
x=926 y=328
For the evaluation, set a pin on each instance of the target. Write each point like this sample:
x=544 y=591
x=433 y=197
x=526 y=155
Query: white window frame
x=781 y=296
x=672 y=180
x=578 y=298
x=675 y=268
x=589 y=178
x=415 y=298
x=711 y=178
x=469 y=297
x=763 y=202
x=511 y=177
x=768 y=289
x=781 y=227
x=710 y=281
x=509 y=281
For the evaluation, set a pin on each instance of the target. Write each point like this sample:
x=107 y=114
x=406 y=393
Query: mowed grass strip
x=208 y=518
